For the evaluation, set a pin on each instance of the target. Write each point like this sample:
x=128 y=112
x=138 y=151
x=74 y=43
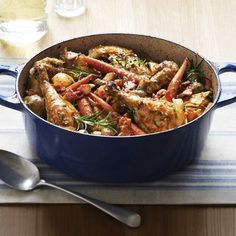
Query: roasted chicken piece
x=59 y=111
x=125 y=126
x=106 y=52
x=149 y=86
x=150 y=115
x=70 y=58
x=52 y=65
x=33 y=87
x=123 y=58
x=73 y=60
x=166 y=70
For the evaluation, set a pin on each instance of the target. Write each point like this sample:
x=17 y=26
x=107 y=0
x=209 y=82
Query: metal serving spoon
x=22 y=174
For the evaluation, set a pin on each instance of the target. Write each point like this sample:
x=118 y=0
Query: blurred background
x=201 y=25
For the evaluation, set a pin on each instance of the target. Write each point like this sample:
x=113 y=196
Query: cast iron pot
x=118 y=159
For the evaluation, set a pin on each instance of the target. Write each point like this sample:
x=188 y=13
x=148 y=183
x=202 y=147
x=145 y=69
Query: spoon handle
x=125 y=216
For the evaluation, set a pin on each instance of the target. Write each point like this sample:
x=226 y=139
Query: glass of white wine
x=22 y=22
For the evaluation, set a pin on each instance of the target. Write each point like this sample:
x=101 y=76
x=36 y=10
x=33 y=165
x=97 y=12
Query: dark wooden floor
x=58 y=220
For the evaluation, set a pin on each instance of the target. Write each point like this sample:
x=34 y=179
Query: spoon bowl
x=21 y=174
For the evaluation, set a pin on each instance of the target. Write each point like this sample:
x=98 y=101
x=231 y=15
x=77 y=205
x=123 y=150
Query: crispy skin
x=165 y=72
x=106 y=51
x=52 y=65
x=59 y=111
x=150 y=115
x=120 y=57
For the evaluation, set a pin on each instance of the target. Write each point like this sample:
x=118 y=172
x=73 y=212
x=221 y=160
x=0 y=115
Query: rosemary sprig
x=84 y=122
x=194 y=74
x=141 y=62
x=131 y=113
x=77 y=72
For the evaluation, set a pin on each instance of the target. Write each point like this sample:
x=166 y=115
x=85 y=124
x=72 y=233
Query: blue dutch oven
x=118 y=159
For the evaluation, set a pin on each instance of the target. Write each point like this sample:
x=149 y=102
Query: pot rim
x=123 y=137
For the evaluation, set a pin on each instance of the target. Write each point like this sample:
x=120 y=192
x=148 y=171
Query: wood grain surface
x=206 y=26
x=60 y=220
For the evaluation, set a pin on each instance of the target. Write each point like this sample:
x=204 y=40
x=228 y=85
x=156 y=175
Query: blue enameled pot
x=118 y=159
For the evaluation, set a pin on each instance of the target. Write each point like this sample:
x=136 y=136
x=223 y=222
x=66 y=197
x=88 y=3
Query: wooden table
x=207 y=27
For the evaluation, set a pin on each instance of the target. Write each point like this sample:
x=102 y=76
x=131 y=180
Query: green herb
x=210 y=96
x=84 y=122
x=141 y=62
x=193 y=73
x=128 y=63
x=77 y=72
x=131 y=113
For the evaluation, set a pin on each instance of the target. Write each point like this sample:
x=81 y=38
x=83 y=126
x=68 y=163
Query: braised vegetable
x=113 y=92
x=36 y=104
x=174 y=84
x=62 y=79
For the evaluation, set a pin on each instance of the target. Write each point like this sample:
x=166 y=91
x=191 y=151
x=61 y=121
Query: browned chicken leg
x=59 y=111
x=166 y=70
x=150 y=115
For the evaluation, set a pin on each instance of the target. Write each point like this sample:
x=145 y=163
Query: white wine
x=23 y=21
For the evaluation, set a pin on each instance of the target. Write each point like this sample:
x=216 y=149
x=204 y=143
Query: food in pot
x=113 y=92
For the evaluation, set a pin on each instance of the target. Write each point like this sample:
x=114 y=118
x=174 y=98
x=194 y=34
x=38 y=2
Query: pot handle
x=228 y=97
x=12 y=100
